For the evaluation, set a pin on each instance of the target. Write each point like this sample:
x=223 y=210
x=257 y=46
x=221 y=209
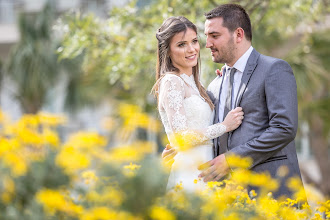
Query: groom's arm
x=281 y=99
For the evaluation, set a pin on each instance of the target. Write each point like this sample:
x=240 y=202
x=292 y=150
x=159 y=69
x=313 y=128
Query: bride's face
x=184 y=51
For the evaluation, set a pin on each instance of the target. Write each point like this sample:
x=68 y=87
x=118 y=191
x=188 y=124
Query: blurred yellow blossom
x=50 y=137
x=282 y=171
x=295 y=184
x=246 y=177
x=130 y=170
x=53 y=201
x=89 y=176
x=252 y=193
x=129 y=153
x=32 y=139
x=213 y=184
x=105 y=213
x=30 y=136
x=72 y=160
x=18 y=165
x=133 y=117
x=49 y=119
x=132 y=166
x=8 y=190
x=178 y=187
x=161 y=213
x=86 y=140
x=237 y=161
x=109 y=195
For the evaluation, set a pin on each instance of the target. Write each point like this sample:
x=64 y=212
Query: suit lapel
x=217 y=98
x=250 y=67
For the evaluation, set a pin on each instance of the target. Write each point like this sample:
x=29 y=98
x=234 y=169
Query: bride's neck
x=188 y=72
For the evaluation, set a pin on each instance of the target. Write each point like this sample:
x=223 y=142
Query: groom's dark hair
x=234 y=16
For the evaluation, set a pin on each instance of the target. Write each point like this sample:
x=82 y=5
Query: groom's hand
x=215 y=169
x=168 y=155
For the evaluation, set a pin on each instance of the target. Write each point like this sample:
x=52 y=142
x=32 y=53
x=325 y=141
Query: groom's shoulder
x=268 y=60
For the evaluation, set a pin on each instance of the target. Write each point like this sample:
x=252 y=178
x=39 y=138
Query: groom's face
x=220 y=41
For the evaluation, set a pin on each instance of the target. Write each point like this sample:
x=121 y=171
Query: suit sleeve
x=281 y=100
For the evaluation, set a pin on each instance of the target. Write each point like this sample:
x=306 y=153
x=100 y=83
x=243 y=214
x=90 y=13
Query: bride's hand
x=233 y=119
x=168 y=155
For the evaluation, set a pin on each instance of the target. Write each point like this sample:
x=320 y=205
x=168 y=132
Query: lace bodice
x=185 y=112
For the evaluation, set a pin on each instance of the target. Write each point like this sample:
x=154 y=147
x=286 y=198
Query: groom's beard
x=224 y=54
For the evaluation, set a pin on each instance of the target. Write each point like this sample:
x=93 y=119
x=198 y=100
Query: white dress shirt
x=239 y=66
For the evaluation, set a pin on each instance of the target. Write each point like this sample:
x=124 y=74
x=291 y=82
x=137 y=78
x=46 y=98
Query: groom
x=263 y=86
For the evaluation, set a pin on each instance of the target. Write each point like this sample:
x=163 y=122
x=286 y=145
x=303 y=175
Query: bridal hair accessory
x=158 y=35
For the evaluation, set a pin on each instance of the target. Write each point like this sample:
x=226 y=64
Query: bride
x=185 y=109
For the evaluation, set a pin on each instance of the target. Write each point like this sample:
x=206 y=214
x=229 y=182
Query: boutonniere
x=219 y=72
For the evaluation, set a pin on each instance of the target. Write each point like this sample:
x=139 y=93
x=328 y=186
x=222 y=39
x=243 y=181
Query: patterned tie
x=223 y=139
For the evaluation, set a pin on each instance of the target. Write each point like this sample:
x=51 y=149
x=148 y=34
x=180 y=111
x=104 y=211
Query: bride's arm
x=171 y=98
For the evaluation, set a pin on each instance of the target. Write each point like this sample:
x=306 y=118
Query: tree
x=32 y=64
x=123 y=48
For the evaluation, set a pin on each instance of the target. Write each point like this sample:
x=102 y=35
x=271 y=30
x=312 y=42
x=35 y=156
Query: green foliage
x=123 y=47
x=32 y=65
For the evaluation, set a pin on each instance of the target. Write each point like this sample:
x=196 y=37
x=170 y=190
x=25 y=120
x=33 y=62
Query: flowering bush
x=42 y=177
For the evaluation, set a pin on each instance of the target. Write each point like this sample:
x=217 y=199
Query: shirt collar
x=242 y=61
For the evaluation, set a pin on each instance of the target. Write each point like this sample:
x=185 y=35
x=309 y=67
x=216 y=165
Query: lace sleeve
x=171 y=98
x=172 y=93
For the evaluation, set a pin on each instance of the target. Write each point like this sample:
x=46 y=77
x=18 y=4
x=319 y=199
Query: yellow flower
x=30 y=136
x=8 y=190
x=130 y=170
x=86 y=140
x=161 y=213
x=89 y=176
x=72 y=160
x=132 y=166
x=55 y=201
x=17 y=164
x=295 y=184
x=178 y=187
x=7 y=145
x=134 y=117
x=49 y=119
x=50 y=137
x=28 y=120
x=232 y=216
x=253 y=193
x=129 y=153
x=282 y=171
x=268 y=207
x=317 y=216
x=104 y=213
x=213 y=184
x=109 y=195
x=237 y=161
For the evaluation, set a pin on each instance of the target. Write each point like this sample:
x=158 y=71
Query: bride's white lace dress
x=184 y=111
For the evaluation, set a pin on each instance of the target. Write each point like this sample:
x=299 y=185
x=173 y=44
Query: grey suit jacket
x=268 y=96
